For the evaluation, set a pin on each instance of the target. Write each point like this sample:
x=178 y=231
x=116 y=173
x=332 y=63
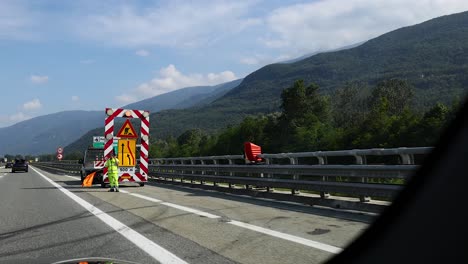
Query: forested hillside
x=431 y=56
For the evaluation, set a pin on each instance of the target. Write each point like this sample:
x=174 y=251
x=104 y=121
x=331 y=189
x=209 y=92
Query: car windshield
x=247 y=131
x=94 y=155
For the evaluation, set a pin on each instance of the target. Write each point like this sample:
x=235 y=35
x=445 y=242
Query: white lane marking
x=289 y=237
x=143 y=197
x=73 y=177
x=190 y=210
x=154 y=250
x=180 y=207
x=296 y=239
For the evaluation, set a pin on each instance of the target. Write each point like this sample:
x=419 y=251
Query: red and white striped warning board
x=129 y=174
x=99 y=164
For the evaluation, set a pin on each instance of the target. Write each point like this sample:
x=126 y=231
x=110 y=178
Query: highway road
x=48 y=217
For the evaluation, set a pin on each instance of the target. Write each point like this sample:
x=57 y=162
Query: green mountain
x=43 y=134
x=183 y=98
x=179 y=99
x=431 y=56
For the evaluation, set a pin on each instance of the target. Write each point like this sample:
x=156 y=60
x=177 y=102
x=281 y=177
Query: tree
x=305 y=113
x=398 y=92
x=189 y=142
x=432 y=124
x=300 y=103
x=76 y=155
x=349 y=105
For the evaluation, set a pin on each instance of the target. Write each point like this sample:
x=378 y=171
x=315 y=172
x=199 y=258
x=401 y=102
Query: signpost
x=99 y=141
x=59 y=153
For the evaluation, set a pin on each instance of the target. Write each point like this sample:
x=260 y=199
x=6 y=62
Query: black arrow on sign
x=123 y=145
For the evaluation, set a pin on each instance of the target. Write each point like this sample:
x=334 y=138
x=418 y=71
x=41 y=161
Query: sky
x=89 y=55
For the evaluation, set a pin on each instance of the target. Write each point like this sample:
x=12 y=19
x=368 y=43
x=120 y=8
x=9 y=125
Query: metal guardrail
x=360 y=180
x=406 y=155
x=69 y=167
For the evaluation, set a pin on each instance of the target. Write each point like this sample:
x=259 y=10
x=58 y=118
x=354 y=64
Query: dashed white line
x=180 y=207
x=296 y=239
x=190 y=210
x=300 y=240
x=270 y=232
x=154 y=250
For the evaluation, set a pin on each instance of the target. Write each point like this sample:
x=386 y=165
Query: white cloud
x=75 y=98
x=323 y=25
x=32 y=105
x=262 y=59
x=20 y=116
x=142 y=53
x=170 y=79
x=7 y=120
x=249 y=61
x=15 y=20
x=126 y=99
x=170 y=23
x=39 y=79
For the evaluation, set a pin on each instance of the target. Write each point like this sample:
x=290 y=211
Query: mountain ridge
x=43 y=134
x=432 y=56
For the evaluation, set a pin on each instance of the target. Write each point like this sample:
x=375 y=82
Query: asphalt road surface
x=47 y=217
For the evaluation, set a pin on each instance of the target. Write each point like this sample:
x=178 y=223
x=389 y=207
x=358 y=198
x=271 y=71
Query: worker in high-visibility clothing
x=112 y=165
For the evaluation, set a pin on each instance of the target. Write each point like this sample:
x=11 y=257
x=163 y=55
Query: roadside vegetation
x=354 y=116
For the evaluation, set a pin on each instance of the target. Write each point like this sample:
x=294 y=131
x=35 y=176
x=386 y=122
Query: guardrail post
x=174 y=175
x=173 y=163
x=202 y=182
x=294 y=161
x=230 y=173
x=268 y=162
x=323 y=161
x=362 y=160
x=407 y=159
x=215 y=162
x=193 y=172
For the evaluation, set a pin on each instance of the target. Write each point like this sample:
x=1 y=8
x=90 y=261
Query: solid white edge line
x=154 y=250
x=285 y=236
x=296 y=239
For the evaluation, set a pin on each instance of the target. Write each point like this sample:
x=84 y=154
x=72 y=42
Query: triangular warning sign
x=127 y=130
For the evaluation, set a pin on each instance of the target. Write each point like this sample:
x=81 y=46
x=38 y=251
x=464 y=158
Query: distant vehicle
x=93 y=160
x=8 y=165
x=20 y=165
